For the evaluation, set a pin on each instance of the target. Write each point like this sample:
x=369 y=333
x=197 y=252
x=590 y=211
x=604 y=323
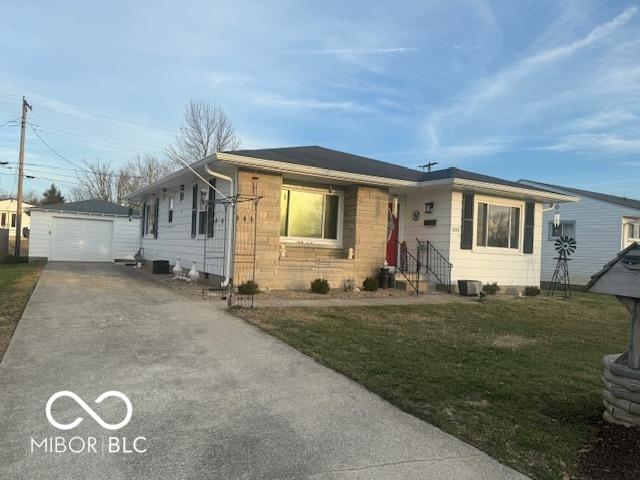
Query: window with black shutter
x=194 y=210
x=144 y=217
x=466 y=235
x=156 y=211
x=529 y=218
x=211 y=204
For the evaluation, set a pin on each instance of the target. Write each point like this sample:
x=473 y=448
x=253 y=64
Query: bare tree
x=206 y=129
x=101 y=181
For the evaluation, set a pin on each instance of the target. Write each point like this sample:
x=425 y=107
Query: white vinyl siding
x=174 y=239
x=506 y=266
x=598 y=232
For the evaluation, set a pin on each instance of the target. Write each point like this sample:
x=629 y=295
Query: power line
x=33 y=177
x=72 y=163
x=52 y=150
x=85 y=138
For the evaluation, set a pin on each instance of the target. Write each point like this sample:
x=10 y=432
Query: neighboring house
x=602 y=225
x=329 y=214
x=85 y=231
x=8 y=214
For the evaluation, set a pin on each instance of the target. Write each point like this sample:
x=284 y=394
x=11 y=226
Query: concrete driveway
x=213 y=397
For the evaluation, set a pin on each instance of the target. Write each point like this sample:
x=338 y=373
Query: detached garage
x=86 y=231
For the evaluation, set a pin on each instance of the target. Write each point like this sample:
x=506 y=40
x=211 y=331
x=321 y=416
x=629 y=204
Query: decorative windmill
x=565 y=246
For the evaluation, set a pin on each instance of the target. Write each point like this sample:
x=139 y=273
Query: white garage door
x=81 y=240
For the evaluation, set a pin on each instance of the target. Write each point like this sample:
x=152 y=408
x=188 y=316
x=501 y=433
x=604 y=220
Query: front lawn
x=518 y=378
x=17 y=281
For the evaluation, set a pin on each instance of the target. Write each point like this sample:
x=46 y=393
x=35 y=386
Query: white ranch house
x=602 y=225
x=322 y=213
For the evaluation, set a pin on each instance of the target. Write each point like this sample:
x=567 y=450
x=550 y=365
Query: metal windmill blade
x=565 y=244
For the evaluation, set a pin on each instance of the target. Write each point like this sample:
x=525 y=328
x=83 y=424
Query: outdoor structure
x=8 y=216
x=310 y=212
x=85 y=231
x=601 y=224
x=621 y=277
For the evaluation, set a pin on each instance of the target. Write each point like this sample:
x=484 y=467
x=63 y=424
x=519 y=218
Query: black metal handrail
x=408 y=265
x=434 y=263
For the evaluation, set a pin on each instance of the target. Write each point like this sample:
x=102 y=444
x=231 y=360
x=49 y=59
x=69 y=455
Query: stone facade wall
x=364 y=230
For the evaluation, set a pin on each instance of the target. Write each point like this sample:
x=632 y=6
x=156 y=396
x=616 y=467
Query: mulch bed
x=614 y=456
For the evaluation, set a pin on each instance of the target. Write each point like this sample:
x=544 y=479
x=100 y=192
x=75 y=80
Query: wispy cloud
x=595 y=142
x=354 y=51
x=604 y=119
x=506 y=80
x=310 y=104
x=458 y=152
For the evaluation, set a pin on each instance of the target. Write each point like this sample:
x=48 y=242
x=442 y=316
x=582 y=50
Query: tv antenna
x=428 y=166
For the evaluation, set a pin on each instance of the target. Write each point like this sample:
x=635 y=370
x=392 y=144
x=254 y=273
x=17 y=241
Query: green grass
x=17 y=281
x=518 y=378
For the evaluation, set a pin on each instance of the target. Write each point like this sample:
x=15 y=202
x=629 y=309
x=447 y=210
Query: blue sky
x=546 y=90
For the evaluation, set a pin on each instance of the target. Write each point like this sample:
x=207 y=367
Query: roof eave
x=520 y=191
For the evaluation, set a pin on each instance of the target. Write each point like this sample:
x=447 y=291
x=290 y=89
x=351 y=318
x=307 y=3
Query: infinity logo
x=89 y=410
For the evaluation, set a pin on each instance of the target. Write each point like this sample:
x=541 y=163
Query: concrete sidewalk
x=213 y=396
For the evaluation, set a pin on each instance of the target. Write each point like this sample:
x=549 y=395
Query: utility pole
x=25 y=107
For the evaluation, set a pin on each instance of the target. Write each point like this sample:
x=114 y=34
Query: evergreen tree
x=52 y=195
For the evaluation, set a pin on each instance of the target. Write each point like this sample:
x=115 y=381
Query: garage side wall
x=39 y=236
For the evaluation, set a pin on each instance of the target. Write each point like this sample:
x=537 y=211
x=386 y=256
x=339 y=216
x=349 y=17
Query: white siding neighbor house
x=8 y=213
x=601 y=224
x=85 y=231
x=300 y=213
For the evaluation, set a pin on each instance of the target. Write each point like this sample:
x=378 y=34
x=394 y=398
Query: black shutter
x=194 y=210
x=529 y=218
x=156 y=211
x=144 y=217
x=211 y=206
x=466 y=235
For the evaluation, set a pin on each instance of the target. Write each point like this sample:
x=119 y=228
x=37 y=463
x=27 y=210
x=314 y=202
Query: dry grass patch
x=512 y=342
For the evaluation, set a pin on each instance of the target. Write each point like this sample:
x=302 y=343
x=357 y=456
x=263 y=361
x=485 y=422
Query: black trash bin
x=161 y=266
x=383 y=277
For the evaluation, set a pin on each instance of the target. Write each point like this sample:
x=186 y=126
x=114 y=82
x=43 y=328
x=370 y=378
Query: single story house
x=601 y=224
x=84 y=231
x=311 y=212
x=8 y=213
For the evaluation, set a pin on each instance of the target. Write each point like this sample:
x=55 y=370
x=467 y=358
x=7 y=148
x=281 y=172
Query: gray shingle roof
x=624 y=201
x=320 y=157
x=89 y=206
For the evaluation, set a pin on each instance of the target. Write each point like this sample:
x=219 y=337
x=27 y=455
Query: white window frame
x=202 y=208
x=171 y=208
x=636 y=229
x=148 y=228
x=552 y=238
x=498 y=202
x=319 y=242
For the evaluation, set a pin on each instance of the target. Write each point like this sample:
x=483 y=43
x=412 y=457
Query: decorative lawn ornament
x=621 y=397
x=194 y=275
x=565 y=246
x=177 y=268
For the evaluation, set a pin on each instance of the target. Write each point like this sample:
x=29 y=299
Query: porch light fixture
x=395 y=206
x=428 y=207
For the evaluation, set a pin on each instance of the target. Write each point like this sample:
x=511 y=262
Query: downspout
x=230 y=215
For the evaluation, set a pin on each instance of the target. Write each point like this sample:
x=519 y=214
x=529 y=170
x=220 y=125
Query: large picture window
x=310 y=215
x=498 y=226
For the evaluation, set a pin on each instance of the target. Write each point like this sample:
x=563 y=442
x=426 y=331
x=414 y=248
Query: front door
x=392 y=236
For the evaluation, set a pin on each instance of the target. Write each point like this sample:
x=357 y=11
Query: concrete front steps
x=425 y=285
